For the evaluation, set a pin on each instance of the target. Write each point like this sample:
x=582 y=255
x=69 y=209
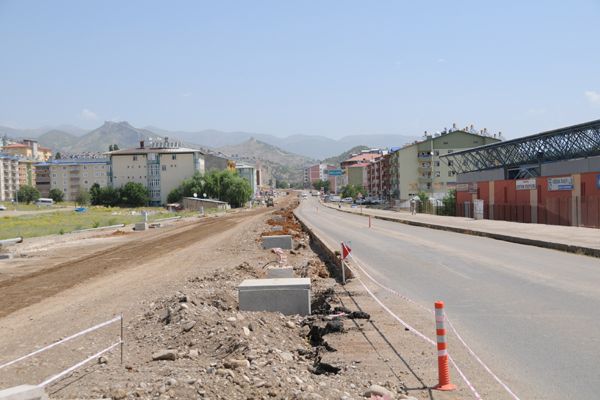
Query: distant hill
x=59 y=140
x=120 y=133
x=336 y=160
x=284 y=165
x=312 y=146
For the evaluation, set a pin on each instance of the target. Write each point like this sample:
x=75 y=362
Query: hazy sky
x=316 y=67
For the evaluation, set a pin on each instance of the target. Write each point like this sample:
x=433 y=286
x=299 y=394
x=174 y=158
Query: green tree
x=28 y=194
x=57 y=156
x=175 y=195
x=321 y=184
x=56 y=194
x=95 y=194
x=115 y=147
x=83 y=197
x=134 y=195
x=282 y=185
x=449 y=203
x=352 y=191
x=423 y=202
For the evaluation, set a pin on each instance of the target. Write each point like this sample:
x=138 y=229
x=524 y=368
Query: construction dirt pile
x=284 y=222
x=196 y=344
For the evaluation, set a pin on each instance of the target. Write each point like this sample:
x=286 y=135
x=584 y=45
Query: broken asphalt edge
x=581 y=250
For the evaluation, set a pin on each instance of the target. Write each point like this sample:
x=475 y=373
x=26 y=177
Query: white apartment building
x=161 y=167
x=9 y=177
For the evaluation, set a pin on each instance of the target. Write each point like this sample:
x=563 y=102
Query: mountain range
x=72 y=139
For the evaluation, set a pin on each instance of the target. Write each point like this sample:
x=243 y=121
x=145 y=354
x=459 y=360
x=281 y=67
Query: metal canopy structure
x=575 y=141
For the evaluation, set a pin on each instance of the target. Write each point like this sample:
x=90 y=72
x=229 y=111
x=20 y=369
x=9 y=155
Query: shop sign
x=564 y=183
x=526 y=184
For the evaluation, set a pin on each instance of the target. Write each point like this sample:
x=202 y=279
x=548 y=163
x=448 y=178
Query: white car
x=347 y=200
x=2 y=208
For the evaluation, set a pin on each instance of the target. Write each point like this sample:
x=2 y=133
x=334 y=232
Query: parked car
x=335 y=199
x=2 y=208
x=377 y=201
x=347 y=200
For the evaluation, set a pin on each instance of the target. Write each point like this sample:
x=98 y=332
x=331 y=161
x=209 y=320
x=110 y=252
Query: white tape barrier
x=74 y=367
x=494 y=376
x=88 y=330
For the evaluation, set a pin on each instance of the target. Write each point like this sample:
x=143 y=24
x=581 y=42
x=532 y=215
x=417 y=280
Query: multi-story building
x=71 y=176
x=251 y=174
x=418 y=167
x=28 y=149
x=27 y=172
x=161 y=167
x=378 y=177
x=357 y=174
x=318 y=172
x=9 y=177
x=42 y=179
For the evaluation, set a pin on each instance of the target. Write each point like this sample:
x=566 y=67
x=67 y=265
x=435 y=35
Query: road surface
x=531 y=314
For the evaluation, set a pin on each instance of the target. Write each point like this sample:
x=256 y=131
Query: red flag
x=345 y=250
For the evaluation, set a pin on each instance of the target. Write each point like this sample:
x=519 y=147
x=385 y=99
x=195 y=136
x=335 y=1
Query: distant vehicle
x=304 y=195
x=315 y=193
x=2 y=208
x=270 y=202
x=43 y=201
x=347 y=200
x=335 y=199
x=360 y=201
x=376 y=201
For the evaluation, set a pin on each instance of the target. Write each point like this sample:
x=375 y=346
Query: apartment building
x=28 y=149
x=318 y=172
x=71 y=176
x=27 y=172
x=378 y=177
x=417 y=167
x=9 y=177
x=161 y=167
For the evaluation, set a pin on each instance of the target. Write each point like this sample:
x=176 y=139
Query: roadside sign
x=334 y=172
x=526 y=184
x=564 y=183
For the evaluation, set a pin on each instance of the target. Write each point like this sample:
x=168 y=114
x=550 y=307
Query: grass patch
x=61 y=222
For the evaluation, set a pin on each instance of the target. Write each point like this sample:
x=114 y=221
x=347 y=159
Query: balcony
x=424 y=156
x=425 y=179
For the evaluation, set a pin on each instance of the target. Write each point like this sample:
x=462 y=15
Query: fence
x=62 y=341
x=567 y=211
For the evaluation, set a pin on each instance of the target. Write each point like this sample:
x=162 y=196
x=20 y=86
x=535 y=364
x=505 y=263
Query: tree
x=321 y=184
x=282 y=185
x=56 y=194
x=449 y=203
x=134 y=194
x=27 y=194
x=352 y=191
x=175 y=195
x=110 y=147
x=83 y=197
x=95 y=194
x=57 y=156
x=115 y=147
x=423 y=201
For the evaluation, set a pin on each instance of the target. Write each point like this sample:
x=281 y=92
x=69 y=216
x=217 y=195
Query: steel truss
x=576 y=141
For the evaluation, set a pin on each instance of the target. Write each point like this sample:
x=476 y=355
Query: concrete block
x=276 y=272
x=288 y=296
x=281 y=241
x=276 y=228
x=23 y=392
x=140 y=226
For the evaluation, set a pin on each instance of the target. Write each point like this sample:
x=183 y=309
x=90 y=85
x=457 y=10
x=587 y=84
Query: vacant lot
x=59 y=222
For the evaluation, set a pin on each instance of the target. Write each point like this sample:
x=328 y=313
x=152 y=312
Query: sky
x=330 y=68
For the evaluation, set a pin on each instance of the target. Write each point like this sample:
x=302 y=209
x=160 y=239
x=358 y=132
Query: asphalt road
x=531 y=314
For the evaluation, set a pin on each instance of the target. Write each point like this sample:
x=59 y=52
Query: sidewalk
x=564 y=238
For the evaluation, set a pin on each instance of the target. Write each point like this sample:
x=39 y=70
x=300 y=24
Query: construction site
x=176 y=325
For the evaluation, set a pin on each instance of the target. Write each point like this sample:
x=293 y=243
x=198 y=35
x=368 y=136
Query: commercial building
x=319 y=172
x=551 y=178
x=417 y=167
x=9 y=177
x=161 y=167
x=71 y=176
x=28 y=149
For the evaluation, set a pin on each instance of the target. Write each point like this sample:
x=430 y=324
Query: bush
x=223 y=185
x=107 y=197
x=28 y=194
x=83 y=198
x=56 y=194
x=175 y=196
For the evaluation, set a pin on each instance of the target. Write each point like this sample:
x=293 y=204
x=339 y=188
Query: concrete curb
x=586 y=251
x=330 y=255
x=98 y=228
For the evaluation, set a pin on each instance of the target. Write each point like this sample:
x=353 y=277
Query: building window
x=436 y=152
x=450 y=151
x=174 y=157
x=134 y=158
x=164 y=167
x=437 y=174
x=450 y=163
x=437 y=163
x=451 y=173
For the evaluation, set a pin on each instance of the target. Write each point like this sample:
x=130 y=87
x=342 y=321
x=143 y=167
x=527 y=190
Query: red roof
x=364 y=157
x=358 y=165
